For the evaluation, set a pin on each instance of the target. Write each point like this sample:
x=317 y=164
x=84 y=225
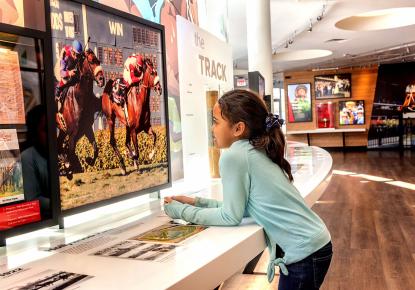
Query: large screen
x=110 y=99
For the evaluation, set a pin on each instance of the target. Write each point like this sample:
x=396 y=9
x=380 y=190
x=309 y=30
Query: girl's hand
x=167 y=200
x=183 y=199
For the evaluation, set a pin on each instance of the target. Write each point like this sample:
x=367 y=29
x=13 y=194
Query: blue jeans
x=309 y=273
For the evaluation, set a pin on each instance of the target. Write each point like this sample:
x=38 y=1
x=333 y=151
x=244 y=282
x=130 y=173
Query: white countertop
x=200 y=262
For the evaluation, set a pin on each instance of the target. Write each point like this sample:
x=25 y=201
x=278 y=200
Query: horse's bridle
x=89 y=65
x=147 y=65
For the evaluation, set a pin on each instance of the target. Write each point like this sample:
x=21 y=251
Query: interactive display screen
x=110 y=99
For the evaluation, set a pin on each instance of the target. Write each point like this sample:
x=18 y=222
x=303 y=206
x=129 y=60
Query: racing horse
x=78 y=113
x=138 y=108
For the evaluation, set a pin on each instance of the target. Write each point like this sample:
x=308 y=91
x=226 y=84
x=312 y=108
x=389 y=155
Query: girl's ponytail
x=264 y=129
x=273 y=143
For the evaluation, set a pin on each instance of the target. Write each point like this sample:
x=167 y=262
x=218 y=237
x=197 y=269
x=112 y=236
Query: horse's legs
x=89 y=133
x=61 y=141
x=75 y=164
x=151 y=132
x=136 y=153
x=128 y=142
x=113 y=143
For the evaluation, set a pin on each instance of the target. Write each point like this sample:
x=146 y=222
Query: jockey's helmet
x=77 y=46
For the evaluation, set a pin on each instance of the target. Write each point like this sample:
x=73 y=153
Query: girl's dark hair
x=246 y=106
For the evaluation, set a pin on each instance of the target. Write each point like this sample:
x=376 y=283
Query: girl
x=257 y=182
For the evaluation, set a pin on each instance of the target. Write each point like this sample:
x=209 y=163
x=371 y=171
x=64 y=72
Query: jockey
x=70 y=57
x=132 y=75
x=133 y=72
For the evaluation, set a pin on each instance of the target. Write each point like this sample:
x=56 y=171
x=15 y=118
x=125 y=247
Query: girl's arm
x=196 y=201
x=236 y=183
x=207 y=202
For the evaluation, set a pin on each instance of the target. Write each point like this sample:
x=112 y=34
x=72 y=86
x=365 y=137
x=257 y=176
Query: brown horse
x=138 y=108
x=78 y=112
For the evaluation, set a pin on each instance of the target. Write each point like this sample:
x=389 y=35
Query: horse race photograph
x=110 y=105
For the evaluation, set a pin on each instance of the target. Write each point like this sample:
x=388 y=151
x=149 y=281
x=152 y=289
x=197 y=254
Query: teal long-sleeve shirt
x=255 y=186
